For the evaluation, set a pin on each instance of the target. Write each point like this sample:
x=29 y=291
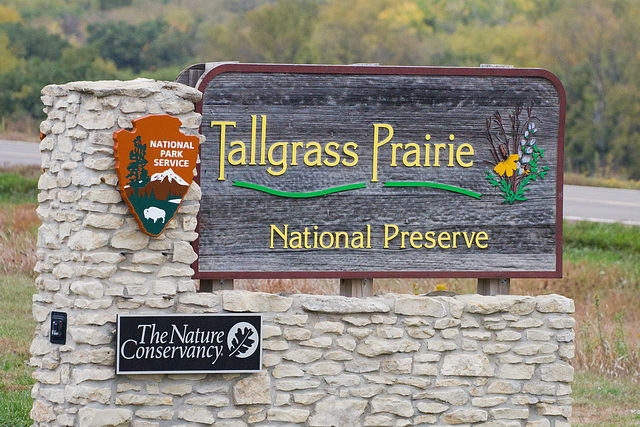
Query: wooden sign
x=189 y=343
x=360 y=171
x=155 y=164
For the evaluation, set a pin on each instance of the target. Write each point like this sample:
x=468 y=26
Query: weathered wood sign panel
x=333 y=171
x=189 y=343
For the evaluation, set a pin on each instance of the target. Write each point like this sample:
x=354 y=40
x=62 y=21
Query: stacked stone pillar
x=93 y=261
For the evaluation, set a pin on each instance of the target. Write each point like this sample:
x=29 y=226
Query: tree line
x=593 y=46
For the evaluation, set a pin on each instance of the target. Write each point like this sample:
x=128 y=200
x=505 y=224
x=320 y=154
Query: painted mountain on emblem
x=165 y=185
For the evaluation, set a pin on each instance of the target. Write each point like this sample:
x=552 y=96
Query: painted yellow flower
x=507 y=166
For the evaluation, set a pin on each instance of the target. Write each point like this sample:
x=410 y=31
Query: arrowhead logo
x=154 y=164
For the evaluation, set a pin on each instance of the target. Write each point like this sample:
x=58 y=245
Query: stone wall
x=390 y=360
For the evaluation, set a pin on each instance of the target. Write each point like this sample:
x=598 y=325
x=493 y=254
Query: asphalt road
x=580 y=203
x=19 y=153
x=601 y=204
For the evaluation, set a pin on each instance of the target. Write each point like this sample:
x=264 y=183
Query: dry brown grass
x=18 y=237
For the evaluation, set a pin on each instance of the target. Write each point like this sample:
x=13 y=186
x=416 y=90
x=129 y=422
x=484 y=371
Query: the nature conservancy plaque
x=185 y=343
x=333 y=171
x=154 y=164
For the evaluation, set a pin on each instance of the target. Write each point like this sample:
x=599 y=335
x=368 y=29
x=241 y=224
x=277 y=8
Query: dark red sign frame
x=220 y=68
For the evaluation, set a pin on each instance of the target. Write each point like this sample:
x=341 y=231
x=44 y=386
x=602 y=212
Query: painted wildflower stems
x=515 y=153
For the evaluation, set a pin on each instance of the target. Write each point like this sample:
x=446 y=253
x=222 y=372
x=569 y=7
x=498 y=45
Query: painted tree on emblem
x=138 y=175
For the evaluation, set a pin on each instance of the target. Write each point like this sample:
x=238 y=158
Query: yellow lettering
x=283 y=160
x=436 y=149
x=223 y=128
x=377 y=144
x=468 y=152
x=346 y=239
x=282 y=235
x=387 y=239
x=444 y=237
x=455 y=234
x=350 y=153
x=481 y=235
x=241 y=150
x=317 y=150
x=429 y=236
x=326 y=233
x=403 y=234
x=294 y=152
x=415 y=152
x=450 y=156
x=469 y=242
x=296 y=240
x=394 y=152
x=427 y=148
x=254 y=126
x=359 y=238
x=416 y=235
x=330 y=152
x=263 y=140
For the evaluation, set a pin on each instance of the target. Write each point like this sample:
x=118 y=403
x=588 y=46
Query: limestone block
x=456 y=397
x=322 y=342
x=342 y=305
x=504 y=387
x=178 y=389
x=378 y=421
x=197 y=415
x=291 y=385
x=81 y=395
x=362 y=365
x=297 y=334
x=303 y=356
x=42 y=412
x=398 y=366
x=92 y=374
x=431 y=407
x=214 y=400
x=329 y=327
x=338 y=412
x=392 y=405
x=462 y=416
x=308 y=398
x=367 y=392
x=255 y=389
x=562 y=372
x=142 y=399
x=473 y=365
x=527 y=323
x=419 y=306
x=130 y=239
x=373 y=347
x=284 y=371
x=516 y=371
x=555 y=304
x=160 y=414
x=183 y=253
x=112 y=417
x=148 y=257
x=87 y=240
x=255 y=302
x=561 y=322
x=288 y=415
x=324 y=368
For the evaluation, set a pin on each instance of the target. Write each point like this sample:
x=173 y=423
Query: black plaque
x=189 y=343
x=332 y=171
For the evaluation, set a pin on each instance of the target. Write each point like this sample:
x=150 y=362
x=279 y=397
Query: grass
x=16 y=334
x=601 y=273
x=599 y=181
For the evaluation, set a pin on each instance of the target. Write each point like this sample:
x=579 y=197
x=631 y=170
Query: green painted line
x=298 y=195
x=433 y=185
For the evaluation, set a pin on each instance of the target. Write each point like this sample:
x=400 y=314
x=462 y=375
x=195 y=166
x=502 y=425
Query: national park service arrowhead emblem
x=154 y=164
